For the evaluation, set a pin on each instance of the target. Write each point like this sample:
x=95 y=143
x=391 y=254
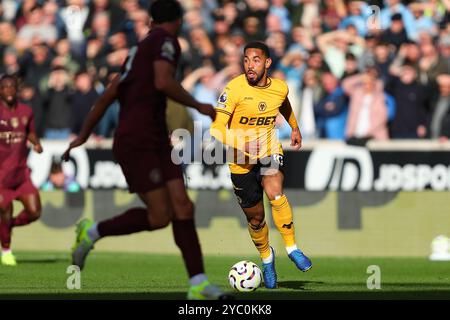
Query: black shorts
x=247 y=186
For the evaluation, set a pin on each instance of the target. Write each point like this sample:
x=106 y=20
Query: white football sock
x=197 y=279
x=291 y=248
x=269 y=259
x=93 y=232
x=5 y=251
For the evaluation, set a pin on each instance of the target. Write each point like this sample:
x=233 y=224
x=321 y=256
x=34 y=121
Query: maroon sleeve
x=167 y=49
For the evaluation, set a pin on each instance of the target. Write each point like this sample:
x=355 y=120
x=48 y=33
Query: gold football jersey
x=249 y=113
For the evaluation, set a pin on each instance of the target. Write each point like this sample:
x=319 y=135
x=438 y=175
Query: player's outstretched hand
x=75 y=143
x=207 y=109
x=296 y=139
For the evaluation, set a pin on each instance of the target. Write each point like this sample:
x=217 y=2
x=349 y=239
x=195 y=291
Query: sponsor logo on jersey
x=168 y=50
x=258 y=121
x=223 y=97
x=14 y=122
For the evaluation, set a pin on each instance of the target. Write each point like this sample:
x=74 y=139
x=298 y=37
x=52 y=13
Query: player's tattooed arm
x=94 y=116
x=288 y=113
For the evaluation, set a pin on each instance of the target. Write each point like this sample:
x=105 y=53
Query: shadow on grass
x=297 y=285
x=27 y=260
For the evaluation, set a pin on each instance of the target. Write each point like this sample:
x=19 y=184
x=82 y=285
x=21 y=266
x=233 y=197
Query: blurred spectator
x=110 y=119
x=332 y=12
x=310 y=95
x=278 y=9
x=198 y=14
x=440 y=110
x=301 y=39
x=50 y=10
x=334 y=45
x=10 y=63
x=257 y=8
x=444 y=47
x=7 y=36
x=351 y=65
x=76 y=19
x=412 y=104
x=396 y=34
x=253 y=29
x=408 y=53
x=58 y=180
x=398 y=9
x=57 y=105
x=9 y=10
x=303 y=12
x=316 y=62
x=436 y=9
x=356 y=16
x=35 y=66
x=331 y=111
x=111 y=9
x=23 y=12
x=36 y=31
x=421 y=21
x=30 y=96
x=292 y=66
x=431 y=64
x=140 y=20
x=101 y=27
x=82 y=100
x=64 y=57
x=367 y=116
x=277 y=44
x=202 y=50
x=273 y=24
x=382 y=60
x=367 y=58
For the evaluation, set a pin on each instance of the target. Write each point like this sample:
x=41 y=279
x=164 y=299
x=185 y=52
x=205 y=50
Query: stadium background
x=52 y=51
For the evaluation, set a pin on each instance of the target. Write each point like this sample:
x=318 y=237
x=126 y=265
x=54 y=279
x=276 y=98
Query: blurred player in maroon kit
x=143 y=150
x=16 y=128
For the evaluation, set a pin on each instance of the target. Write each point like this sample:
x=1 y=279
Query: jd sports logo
x=337 y=168
x=288 y=226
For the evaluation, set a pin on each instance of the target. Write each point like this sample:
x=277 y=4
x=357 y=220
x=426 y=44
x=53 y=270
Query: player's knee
x=159 y=222
x=256 y=221
x=34 y=213
x=160 y=219
x=184 y=209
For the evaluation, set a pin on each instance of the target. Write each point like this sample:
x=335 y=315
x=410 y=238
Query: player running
x=142 y=148
x=245 y=120
x=16 y=128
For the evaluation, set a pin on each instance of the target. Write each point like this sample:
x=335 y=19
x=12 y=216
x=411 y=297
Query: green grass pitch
x=151 y=276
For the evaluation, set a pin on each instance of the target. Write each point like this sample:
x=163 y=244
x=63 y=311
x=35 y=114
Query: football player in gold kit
x=245 y=120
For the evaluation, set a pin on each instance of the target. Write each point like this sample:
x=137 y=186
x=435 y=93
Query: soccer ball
x=245 y=276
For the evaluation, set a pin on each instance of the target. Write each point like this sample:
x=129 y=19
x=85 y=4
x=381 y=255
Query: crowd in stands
x=356 y=70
